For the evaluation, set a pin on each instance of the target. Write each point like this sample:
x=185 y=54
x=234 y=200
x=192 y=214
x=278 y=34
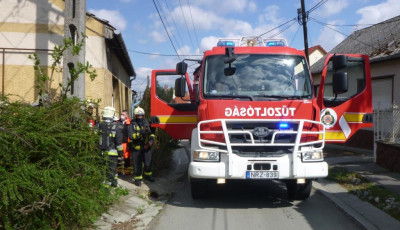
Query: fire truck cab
x=252 y=112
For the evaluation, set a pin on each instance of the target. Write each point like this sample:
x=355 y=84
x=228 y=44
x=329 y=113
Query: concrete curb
x=365 y=214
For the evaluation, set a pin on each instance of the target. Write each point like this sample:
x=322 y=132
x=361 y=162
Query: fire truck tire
x=198 y=188
x=298 y=191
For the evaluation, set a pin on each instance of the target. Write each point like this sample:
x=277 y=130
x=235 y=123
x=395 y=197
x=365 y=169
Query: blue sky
x=194 y=25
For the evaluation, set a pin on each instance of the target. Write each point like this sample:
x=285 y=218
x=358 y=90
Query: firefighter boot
x=149 y=176
x=138 y=183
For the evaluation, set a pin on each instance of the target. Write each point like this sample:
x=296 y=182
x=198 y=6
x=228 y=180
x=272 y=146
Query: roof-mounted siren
x=275 y=42
x=227 y=42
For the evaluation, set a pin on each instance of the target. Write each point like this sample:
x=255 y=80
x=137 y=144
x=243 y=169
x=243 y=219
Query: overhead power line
x=167 y=55
x=173 y=21
x=321 y=23
x=187 y=28
x=194 y=28
x=316 y=6
x=276 y=27
x=166 y=30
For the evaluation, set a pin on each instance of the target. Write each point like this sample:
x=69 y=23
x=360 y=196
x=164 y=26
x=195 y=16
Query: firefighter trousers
x=138 y=158
x=112 y=175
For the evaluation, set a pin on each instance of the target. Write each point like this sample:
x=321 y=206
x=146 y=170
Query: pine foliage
x=50 y=167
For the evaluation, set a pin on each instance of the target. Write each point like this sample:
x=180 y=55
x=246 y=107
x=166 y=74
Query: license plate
x=262 y=175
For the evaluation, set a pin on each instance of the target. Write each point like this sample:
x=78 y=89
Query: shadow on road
x=236 y=194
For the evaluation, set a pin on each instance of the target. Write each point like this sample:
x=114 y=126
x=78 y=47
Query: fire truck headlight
x=312 y=156
x=205 y=156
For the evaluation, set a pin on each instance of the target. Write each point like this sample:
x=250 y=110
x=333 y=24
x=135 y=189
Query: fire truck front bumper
x=258 y=168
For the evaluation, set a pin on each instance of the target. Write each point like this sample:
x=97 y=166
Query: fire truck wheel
x=198 y=188
x=298 y=191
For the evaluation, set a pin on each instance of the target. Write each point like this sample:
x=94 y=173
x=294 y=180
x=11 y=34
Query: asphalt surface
x=142 y=206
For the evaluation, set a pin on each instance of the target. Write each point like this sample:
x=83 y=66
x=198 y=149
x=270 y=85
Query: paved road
x=250 y=205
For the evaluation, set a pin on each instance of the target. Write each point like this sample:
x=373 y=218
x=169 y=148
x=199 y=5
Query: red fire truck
x=252 y=112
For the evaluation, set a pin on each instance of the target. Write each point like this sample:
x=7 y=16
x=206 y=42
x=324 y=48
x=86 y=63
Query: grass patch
x=140 y=209
x=368 y=191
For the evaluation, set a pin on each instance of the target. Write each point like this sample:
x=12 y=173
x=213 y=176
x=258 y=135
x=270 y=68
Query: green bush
x=51 y=175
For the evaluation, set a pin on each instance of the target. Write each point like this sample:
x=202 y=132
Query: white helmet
x=138 y=111
x=108 y=112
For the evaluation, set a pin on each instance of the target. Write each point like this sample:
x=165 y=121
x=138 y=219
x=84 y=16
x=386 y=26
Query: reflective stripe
x=332 y=135
x=112 y=152
x=345 y=126
x=353 y=117
x=178 y=119
x=148 y=173
x=138 y=177
x=120 y=148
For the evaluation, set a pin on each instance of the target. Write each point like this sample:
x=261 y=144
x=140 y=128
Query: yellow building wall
x=19 y=74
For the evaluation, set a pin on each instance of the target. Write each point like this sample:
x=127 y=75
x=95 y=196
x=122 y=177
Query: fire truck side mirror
x=181 y=68
x=339 y=61
x=340 y=83
x=180 y=87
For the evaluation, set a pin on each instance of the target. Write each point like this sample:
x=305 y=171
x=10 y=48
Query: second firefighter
x=142 y=143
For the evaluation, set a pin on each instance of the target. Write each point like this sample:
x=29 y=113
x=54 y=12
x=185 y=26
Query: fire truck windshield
x=258 y=77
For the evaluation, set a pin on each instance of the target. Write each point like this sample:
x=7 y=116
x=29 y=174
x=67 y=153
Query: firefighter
x=126 y=121
x=89 y=112
x=110 y=143
x=142 y=142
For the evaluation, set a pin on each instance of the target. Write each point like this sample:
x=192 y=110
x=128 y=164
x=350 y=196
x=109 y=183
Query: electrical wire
x=194 y=28
x=165 y=55
x=187 y=28
x=298 y=28
x=293 y=19
x=173 y=21
x=166 y=30
x=316 y=6
x=321 y=23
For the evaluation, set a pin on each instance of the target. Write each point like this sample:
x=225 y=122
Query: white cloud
x=203 y=20
x=208 y=42
x=271 y=14
x=223 y=6
x=378 y=13
x=140 y=83
x=329 y=38
x=113 y=16
x=157 y=36
x=330 y=8
x=252 y=6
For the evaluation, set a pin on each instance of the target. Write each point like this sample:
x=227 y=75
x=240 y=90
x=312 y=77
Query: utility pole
x=303 y=22
x=74 y=27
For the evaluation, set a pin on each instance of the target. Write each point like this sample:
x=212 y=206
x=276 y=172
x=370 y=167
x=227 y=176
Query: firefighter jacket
x=110 y=142
x=140 y=134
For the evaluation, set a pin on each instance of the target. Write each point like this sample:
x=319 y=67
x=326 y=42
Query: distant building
x=29 y=27
x=315 y=53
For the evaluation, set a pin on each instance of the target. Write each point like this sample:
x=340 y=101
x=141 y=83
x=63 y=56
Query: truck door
x=176 y=115
x=345 y=96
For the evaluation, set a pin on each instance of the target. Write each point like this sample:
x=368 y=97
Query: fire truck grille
x=262 y=151
x=260 y=137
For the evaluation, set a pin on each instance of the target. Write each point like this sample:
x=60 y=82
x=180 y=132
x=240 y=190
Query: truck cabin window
x=356 y=83
x=257 y=76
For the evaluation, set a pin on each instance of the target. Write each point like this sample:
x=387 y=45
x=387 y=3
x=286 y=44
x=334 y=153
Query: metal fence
x=387 y=125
